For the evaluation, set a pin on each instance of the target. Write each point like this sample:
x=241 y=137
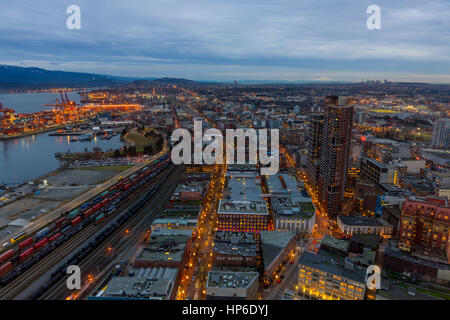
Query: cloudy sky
x=232 y=39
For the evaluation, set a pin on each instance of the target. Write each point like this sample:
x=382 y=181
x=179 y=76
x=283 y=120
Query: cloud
x=201 y=39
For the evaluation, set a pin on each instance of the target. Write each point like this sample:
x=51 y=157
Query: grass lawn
x=139 y=140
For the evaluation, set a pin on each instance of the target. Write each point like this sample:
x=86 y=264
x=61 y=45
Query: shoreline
x=23 y=135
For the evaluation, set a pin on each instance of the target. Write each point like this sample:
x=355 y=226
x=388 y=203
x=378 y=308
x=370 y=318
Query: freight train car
x=40 y=234
x=75 y=221
x=26 y=243
x=4 y=269
x=41 y=244
x=26 y=254
x=74 y=213
x=7 y=255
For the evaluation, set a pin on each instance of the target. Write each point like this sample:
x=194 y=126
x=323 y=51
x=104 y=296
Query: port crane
x=7 y=115
x=65 y=109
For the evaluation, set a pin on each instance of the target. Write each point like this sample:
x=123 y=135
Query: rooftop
x=165 y=245
x=228 y=279
x=144 y=283
x=362 y=221
x=340 y=244
x=235 y=237
x=243 y=207
x=242 y=186
x=328 y=265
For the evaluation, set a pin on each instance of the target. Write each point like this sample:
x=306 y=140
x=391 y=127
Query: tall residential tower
x=335 y=153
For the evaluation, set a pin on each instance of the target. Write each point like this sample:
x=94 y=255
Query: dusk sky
x=232 y=40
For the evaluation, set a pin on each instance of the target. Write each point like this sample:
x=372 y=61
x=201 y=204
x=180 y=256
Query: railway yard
x=78 y=231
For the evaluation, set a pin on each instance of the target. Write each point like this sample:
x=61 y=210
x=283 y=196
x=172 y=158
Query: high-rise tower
x=441 y=134
x=314 y=146
x=335 y=153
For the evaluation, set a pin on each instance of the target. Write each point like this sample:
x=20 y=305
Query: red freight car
x=76 y=221
x=59 y=222
x=56 y=236
x=89 y=212
x=4 y=269
x=26 y=243
x=41 y=244
x=7 y=255
x=26 y=254
x=104 y=202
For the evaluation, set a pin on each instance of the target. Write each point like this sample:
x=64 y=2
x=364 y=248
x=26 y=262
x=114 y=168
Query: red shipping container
x=26 y=254
x=56 y=236
x=41 y=244
x=4 y=269
x=75 y=221
x=7 y=255
x=26 y=243
x=89 y=212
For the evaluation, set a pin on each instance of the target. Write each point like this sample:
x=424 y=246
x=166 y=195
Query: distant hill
x=13 y=77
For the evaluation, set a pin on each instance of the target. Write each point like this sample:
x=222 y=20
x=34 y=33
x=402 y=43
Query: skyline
x=287 y=41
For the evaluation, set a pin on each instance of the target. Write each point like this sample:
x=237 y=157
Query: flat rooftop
x=243 y=207
x=362 y=221
x=242 y=186
x=144 y=283
x=293 y=209
x=232 y=280
x=340 y=244
x=165 y=245
x=327 y=264
x=235 y=237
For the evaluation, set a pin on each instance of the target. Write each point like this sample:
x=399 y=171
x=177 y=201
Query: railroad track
x=20 y=283
x=137 y=224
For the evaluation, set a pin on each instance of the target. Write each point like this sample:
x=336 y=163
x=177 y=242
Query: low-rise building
x=229 y=285
x=235 y=249
x=142 y=284
x=291 y=205
x=165 y=248
x=242 y=207
x=364 y=225
x=321 y=277
x=174 y=223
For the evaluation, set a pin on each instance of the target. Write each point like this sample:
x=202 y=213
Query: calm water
x=32 y=102
x=27 y=158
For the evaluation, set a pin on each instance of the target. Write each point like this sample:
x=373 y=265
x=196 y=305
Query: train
x=33 y=248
